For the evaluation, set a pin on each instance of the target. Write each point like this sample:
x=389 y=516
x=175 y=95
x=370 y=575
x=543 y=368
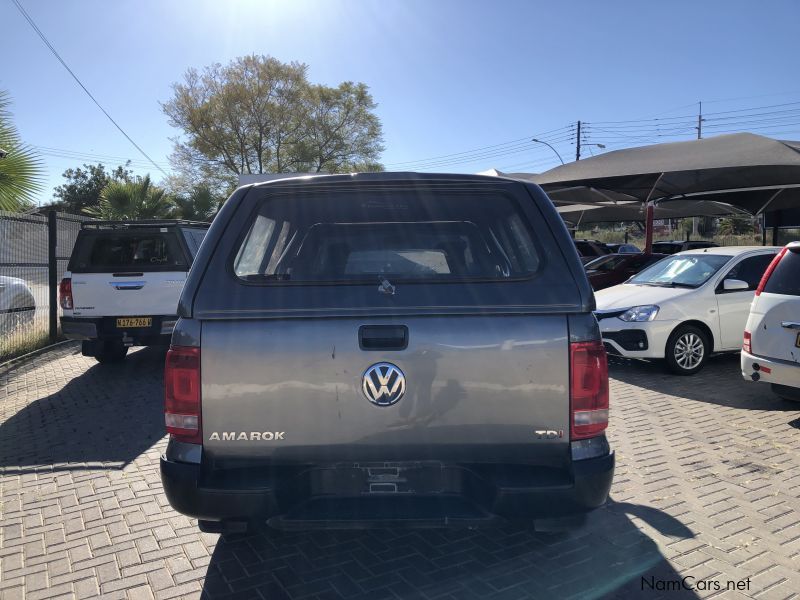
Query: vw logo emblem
x=383 y=384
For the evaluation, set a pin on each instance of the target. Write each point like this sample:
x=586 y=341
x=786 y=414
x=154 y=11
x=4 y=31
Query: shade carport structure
x=635 y=211
x=750 y=172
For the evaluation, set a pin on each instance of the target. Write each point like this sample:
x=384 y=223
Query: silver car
x=386 y=349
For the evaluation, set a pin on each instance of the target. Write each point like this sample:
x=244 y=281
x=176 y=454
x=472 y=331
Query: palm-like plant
x=20 y=167
x=138 y=199
x=200 y=205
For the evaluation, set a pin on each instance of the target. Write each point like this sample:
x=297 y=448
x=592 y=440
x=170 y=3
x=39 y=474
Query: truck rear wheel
x=111 y=353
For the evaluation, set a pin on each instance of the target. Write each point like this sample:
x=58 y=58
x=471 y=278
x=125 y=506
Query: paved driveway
x=707 y=488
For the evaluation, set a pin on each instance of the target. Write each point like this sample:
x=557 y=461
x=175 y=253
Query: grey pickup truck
x=386 y=349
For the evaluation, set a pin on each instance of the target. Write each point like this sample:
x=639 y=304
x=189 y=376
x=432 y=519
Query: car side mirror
x=735 y=285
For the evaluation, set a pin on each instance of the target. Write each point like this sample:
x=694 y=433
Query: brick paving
x=707 y=487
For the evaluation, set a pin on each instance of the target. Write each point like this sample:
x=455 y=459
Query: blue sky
x=449 y=76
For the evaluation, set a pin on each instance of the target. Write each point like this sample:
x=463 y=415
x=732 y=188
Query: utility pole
x=578 y=143
x=699 y=137
x=699 y=121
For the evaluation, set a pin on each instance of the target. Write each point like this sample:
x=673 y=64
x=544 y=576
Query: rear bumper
x=778 y=372
x=185 y=493
x=105 y=329
x=469 y=494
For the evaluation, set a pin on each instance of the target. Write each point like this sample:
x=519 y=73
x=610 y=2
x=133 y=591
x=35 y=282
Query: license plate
x=797 y=341
x=135 y=322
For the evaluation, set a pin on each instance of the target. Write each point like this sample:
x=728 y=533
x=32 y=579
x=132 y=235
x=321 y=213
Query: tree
x=81 y=192
x=201 y=204
x=340 y=132
x=137 y=199
x=735 y=225
x=21 y=169
x=260 y=115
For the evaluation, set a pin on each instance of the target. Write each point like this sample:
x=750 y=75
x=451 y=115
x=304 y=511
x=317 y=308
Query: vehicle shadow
x=720 y=382
x=104 y=417
x=608 y=558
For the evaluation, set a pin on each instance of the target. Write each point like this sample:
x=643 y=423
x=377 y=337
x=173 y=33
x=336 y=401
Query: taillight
x=747 y=344
x=770 y=269
x=182 y=394
x=65 y=293
x=588 y=389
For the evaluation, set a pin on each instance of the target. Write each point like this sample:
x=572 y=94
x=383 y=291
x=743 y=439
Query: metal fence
x=34 y=251
x=781 y=237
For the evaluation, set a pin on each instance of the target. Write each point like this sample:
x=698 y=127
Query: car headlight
x=637 y=314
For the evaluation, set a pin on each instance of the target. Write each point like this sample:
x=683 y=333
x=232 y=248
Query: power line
x=748 y=124
x=80 y=83
x=530 y=163
x=444 y=163
x=737 y=113
x=470 y=158
x=90 y=156
x=630 y=133
x=481 y=149
x=758 y=114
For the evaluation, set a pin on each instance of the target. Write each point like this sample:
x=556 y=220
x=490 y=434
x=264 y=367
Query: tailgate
x=775 y=323
x=477 y=389
x=137 y=271
x=126 y=294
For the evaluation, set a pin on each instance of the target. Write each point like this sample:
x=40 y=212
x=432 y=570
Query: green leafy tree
x=340 y=131
x=21 y=169
x=260 y=115
x=80 y=194
x=137 y=199
x=735 y=226
x=201 y=204
x=705 y=226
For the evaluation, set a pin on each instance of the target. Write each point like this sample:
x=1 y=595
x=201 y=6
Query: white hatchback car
x=771 y=350
x=17 y=304
x=684 y=307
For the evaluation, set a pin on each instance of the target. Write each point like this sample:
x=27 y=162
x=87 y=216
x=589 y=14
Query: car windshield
x=605 y=263
x=683 y=270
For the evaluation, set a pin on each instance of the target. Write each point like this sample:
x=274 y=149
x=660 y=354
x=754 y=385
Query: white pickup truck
x=123 y=282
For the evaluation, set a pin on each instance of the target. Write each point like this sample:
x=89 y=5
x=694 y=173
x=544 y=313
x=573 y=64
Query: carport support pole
x=776 y=224
x=52 y=275
x=648 y=223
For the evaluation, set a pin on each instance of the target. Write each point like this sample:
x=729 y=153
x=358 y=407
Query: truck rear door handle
x=132 y=285
x=383 y=337
x=790 y=324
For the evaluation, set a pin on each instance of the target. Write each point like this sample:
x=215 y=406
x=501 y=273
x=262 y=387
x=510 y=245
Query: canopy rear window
x=404 y=237
x=127 y=251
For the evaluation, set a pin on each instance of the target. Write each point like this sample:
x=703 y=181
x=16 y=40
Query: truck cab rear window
x=361 y=239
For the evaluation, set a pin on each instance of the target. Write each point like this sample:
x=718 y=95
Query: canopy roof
x=726 y=162
x=635 y=211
